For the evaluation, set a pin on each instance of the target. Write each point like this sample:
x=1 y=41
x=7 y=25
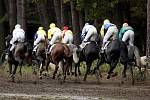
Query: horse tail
x=137 y=56
x=66 y=51
x=123 y=53
x=2 y=57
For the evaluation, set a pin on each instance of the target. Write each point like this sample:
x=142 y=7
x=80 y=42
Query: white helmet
x=86 y=24
x=125 y=24
x=106 y=21
x=18 y=26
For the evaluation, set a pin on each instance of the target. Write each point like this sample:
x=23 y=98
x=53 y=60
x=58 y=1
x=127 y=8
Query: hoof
x=112 y=75
x=34 y=82
x=68 y=73
x=45 y=74
x=53 y=77
x=40 y=77
x=84 y=79
x=122 y=82
x=108 y=77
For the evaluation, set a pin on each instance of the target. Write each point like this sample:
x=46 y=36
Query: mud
x=29 y=87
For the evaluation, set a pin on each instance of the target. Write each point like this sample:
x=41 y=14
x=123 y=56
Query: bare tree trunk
x=51 y=11
x=12 y=14
x=75 y=18
x=41 y=5
x=122 y=13
x=62 y=13
x=57 y=11
x=81 y=20
x=7 y=5
x=148 y=29
x=2 y=34
x=21 y=13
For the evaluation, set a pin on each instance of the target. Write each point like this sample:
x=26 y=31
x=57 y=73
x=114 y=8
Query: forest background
x=31 y=14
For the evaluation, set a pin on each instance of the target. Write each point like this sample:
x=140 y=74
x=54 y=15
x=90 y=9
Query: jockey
x=89 y=33
x=111 y=31
x=56 y=32
x=67 y=35
x=39 y=36
x=126 y=33
x=18 y=36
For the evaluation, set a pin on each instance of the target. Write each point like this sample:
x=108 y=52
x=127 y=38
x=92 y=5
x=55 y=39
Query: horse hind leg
x=131 y=70
x=10 y=69
x=10 y=73
x=13 y=73
x=65 y=69
x=55 y=72
x=20 y=70
x=124 y=74
x=87 y=70
x=112 y=67
x=41 y=71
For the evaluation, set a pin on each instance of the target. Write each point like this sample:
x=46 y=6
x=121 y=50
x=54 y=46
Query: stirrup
x=102 y=50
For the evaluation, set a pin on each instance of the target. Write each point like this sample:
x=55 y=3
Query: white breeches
x=129 y=35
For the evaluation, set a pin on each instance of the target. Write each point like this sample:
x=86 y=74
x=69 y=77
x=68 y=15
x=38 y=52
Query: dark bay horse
x=116 y=51
x=22 y=52
x=60 y=53
x=88 y=54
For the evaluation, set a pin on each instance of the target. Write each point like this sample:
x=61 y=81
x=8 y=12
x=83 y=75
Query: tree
x=75 y=18
x=21 y=19
x=43 y=14
x=62 y=13
x=12 y=14
x=2 y=34
x=148 y=29
x=57 y=11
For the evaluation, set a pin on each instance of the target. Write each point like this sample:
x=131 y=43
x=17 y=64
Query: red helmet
x=65 y=28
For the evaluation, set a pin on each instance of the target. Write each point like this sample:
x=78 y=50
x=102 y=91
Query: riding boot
x=10 y=53
x=48 y=48
x=34 y=53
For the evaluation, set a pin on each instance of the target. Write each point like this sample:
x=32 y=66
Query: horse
x=116 y=51
x=88 y=54
x=21 y=53
x=40 y=56
x=59 y=54
x=5 y=52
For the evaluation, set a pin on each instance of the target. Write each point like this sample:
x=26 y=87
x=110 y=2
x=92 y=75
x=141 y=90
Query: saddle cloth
x=83 y=45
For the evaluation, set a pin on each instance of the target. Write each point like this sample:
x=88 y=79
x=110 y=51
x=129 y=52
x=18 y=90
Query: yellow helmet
x=40 y=28
x=52 y=25
x=106 y=21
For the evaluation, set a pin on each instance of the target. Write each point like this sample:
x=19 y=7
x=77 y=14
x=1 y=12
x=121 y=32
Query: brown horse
x=60 y=53
x=20 y=54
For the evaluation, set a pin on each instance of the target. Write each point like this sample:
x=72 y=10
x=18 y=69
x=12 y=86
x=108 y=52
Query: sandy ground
x=47 y=88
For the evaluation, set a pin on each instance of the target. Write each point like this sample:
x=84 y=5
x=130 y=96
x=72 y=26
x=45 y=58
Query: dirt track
x=47 y=88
